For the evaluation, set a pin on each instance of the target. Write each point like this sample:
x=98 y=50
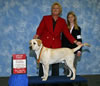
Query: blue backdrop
x=19 y=20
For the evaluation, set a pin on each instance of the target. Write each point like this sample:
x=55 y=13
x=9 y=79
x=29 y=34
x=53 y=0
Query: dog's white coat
x=51 y=56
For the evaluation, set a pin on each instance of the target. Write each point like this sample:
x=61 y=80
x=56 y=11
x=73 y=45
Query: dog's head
x=35 y=44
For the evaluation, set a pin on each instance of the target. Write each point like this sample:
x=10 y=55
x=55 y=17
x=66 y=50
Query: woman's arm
x=40 y=29
x=79 y=38
x=68 y=35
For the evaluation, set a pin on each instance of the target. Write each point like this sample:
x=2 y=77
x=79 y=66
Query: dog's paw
x=44 y=79
x=72 y=78
x=69 y=75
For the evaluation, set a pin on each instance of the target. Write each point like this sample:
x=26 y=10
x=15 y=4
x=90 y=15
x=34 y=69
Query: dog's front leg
x=45 y=70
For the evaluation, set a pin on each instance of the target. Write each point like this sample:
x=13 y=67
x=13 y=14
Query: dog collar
x=38 y=61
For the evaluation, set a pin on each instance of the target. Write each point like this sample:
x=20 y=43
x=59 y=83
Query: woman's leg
x=55 y=69
x=40 y=70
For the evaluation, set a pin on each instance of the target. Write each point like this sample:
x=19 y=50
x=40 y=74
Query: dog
x=48 y=56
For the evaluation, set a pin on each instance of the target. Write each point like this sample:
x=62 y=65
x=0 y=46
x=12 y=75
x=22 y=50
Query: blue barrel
x=18 y=80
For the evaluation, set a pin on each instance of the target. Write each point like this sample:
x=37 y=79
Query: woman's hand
x=78 y=53
x=36 y=36
x=77 y=42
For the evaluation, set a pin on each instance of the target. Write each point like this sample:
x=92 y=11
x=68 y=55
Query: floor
x=93 y=80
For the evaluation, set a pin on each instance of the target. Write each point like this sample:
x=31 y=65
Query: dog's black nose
x=30 y=47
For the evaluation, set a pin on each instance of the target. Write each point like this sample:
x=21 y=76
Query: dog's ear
x=39 y=42
x=30 y=42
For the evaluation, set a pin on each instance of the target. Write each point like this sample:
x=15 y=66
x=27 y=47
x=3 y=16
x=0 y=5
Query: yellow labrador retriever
x=48 y=56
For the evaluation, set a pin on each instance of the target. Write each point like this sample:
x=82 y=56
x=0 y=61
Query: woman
x=75 y=31
x=49 y=32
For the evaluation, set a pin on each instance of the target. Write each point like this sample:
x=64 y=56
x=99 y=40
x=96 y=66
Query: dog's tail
x=79 y=46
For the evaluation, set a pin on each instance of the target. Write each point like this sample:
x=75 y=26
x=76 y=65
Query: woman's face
x=71 y=18
x=55 y=10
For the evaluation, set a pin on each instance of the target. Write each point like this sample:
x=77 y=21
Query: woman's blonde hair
x=60 y=7
x=75 y=20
